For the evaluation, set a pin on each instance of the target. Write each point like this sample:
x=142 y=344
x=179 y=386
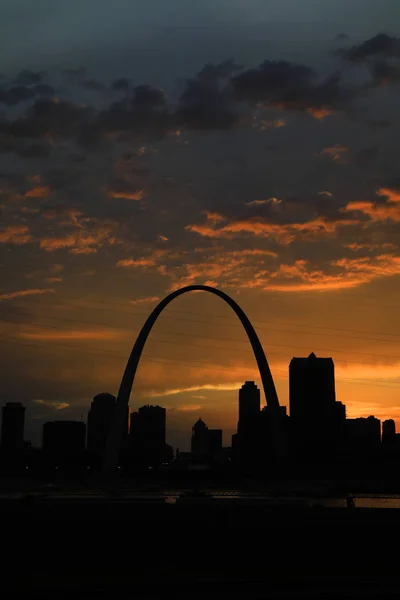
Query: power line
x=189 y=335
x=133 y=313
x=216 y=366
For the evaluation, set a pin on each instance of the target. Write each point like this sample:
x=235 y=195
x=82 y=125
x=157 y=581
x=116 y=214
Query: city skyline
x=312 y=391
x=251 y=149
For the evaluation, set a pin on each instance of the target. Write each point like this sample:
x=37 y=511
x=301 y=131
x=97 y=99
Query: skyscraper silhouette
x=316 y=418
x=249 y=430
x=147 y=433
x=249 y=402
x=206 y=444
x=200 y=441
x=363 y=434
x=99 y=422
x=388 y=432
x=215 y=437
x=12 y=427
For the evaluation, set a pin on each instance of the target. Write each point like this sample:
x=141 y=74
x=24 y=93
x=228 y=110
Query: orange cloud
x=138 y=195
x=52 y=404
x=335 y=152
x=320 y=112
x=267 y=201
x=356 y=246
x=362 y=371
x=391 y=194
x=371 y=267
x=38 y=333
x=140 y=262
x=148 y=300
x=189 y=407
x=220 y=268
x=81 y=241
x=15 y=234
x=71 y=214
x=285 y=233
x=378 y=212
x=213 y=217
x=144 y=261
x=219 y=387
x=301 y=276
x=22 y=293
x=272 y=124
x=38 y=192
x=83 y=250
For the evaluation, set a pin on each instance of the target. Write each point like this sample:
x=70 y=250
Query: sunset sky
x=252 y=145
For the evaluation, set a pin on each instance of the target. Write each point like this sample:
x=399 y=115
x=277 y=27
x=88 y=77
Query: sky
x=251 y=146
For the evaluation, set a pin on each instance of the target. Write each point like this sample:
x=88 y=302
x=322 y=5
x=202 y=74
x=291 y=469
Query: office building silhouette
x=12 y=427
x=63 y=440
x=148 y=433
x=206 y=444
x=215 y=440
x=363 y=434
x=249 y=402
x=199 y=443
x=317 y=420
x=99 y=421
x=389 y=432
x=248 y=442
x=265 y=431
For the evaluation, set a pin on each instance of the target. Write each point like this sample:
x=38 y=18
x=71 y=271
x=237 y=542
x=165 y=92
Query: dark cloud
x=15 y=95
x=378 y=46
x=56 y=118
x=21 y=93
x=28 y=77
x=208 y=102
x=145 y=112
x=44 y=89
x=290 y=86
x=271 y=80
x=123 y=84
x=92 y=84
x=385 y=73
x=78 y=73
x=220 y=96
x=34 y=151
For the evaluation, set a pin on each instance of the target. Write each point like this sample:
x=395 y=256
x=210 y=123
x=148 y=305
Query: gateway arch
x=117 y=426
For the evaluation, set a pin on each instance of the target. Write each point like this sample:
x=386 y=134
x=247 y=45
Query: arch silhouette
x=117 y=426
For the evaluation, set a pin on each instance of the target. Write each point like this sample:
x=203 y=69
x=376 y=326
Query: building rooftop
x=311 y=358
